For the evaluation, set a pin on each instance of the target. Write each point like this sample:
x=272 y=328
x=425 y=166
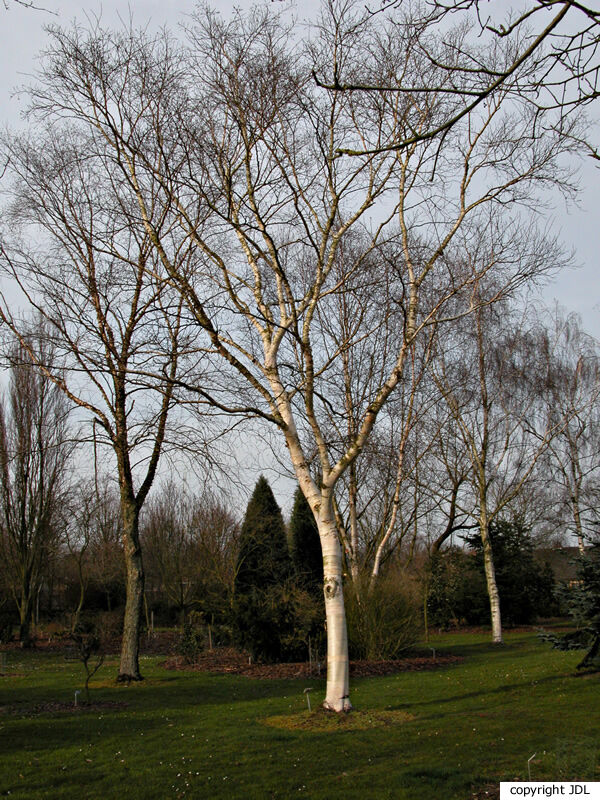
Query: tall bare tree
x=81 y=255
x=35 y=447
x=231 y=148
x=491 y=380
x=572 y=394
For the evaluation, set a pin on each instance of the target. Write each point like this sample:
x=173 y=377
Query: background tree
x=81 y=255
x=583 y=603
x=526 y=587
x=216 y=534
x=35 y=446
x=81 y=517
x=274 y=613
x=444 y=481
x=307 y=562
x=305 y=546
x=263 y=568
x=572 y=398
x=106 y=560
x=168 y=537
x=457 y=581
x=495 y=408
x=263 y=556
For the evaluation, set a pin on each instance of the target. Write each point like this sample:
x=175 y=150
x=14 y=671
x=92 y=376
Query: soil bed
x=160 y=643
x=56 y=708
x=229 y=660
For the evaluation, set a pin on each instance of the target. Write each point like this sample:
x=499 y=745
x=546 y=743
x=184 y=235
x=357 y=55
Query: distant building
x=562 y=561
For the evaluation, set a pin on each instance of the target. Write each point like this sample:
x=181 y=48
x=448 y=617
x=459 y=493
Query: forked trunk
x=337 y=696
x=129 y=669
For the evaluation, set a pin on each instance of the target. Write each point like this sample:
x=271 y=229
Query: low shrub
x=88 y=648
x=191 y=641
x=383 y=619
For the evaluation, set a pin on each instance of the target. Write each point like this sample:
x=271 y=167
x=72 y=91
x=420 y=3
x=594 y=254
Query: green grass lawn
x=457 y=730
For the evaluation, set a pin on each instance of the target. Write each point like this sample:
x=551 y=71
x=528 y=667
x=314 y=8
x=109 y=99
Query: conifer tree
x=263 y=558
x=306 y=546
x=583 y=603
x=263 y=568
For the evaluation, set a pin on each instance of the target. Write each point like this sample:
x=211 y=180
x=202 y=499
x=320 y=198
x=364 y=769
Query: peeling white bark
x=337 y=697
x=490 y=578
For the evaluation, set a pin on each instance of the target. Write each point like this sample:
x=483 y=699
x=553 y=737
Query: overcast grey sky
x=22 y=36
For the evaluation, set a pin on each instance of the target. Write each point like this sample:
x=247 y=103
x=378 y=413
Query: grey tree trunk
x=25 y=603
x=129 y=669
x=25 y=618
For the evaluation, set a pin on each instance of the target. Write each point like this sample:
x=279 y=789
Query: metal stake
x=307 y=693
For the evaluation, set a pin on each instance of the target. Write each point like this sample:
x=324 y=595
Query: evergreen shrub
x=457 y=590
x=583 y=604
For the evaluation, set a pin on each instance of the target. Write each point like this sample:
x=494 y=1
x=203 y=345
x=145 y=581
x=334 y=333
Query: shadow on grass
x=475 y=649
x=201 y=688
x=150 y=703
x=441 y=781
x=483 y=695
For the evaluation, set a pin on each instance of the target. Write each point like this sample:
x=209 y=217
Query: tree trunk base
x=124 y=678
x=344 y=706
x=590 y=661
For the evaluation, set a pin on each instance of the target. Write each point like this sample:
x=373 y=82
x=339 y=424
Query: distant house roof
x=562 y=560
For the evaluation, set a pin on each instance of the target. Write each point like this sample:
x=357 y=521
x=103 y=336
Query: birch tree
x=279 y=192
x=550 y=63
x=492 y=386
x=572 y=395
x=243 y=149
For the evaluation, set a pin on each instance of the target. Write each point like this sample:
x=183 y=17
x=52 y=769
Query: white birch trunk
x=490 y=577
x=577 y=519
x=337 y=697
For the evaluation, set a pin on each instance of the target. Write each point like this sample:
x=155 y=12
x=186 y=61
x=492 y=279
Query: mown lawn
x=456 y=731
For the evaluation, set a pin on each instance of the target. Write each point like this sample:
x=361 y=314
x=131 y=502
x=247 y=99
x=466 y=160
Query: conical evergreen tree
x=263 y=558
x=261 y=619
x=306 y=545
